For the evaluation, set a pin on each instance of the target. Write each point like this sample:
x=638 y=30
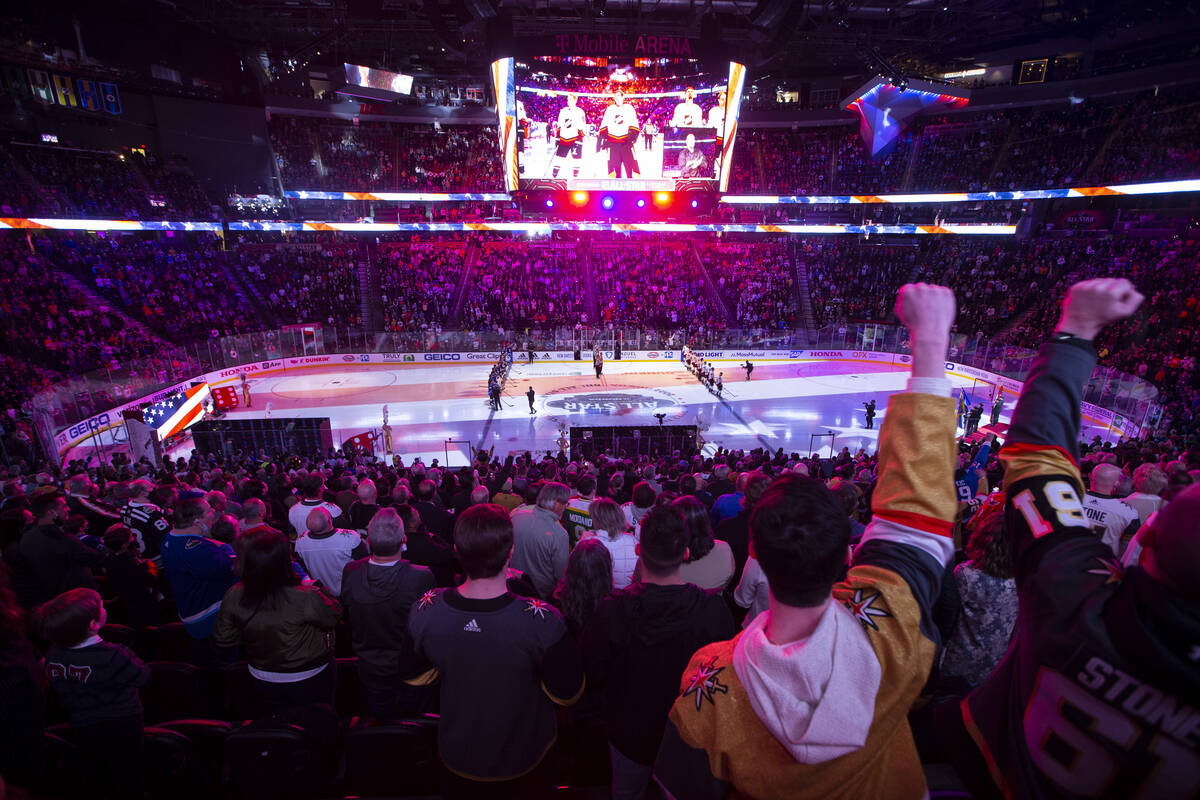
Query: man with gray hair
x=1148 y=484
x=540 y=542
x=325 y=550
x=378 y=593
x=1108 y=516
x=480 y=494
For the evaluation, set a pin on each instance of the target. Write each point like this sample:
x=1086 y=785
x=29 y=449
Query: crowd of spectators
x=314 y=153
x=518 y=286
x=418 y=282
x=330 y=584
x=1092 y=142
x=177 y=286
x=756 y=279
x=659 y=285
x=130 y=184
x=304 y=282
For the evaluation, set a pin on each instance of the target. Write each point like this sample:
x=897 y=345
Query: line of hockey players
x=696 y=364
x=499 y=376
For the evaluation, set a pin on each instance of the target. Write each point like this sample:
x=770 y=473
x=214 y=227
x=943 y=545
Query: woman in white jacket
x=610 y=528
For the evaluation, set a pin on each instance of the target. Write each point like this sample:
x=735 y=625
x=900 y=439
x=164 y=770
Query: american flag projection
x=886 y=110
x=177 y=412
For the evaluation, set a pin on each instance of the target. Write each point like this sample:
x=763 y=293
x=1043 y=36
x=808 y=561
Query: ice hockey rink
x=441 y=410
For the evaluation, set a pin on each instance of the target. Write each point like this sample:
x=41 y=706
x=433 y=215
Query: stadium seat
x=350 y=699
x=207 y=734
x=241 y=696
x=176 y=767
x=119 y=634
x=274 y=759
x=175 y=691
x=174 y=643
x=393 y=758
x=63 y=768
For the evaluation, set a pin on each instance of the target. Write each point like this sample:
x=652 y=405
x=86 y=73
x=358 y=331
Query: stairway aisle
x=470 y=263
x=713 y=294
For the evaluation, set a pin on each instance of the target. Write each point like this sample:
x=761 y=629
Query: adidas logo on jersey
x=472 y=627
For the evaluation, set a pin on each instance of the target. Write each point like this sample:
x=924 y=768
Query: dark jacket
x=736 y=531
x=98 y=682
x=437 y=520
x=131 y=579
x=58 y=561
x=378 y=599
x=294 y=635
x=99 y=515
x=637 y=646
x=432 y=551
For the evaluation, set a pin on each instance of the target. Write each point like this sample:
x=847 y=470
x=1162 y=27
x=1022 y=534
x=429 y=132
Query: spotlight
x=606 y=203
x=695 y=203
x=641 y=202
x=549 y=203
x=662 y=197
x=579 y=198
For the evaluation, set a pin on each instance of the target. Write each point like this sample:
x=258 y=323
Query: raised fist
x=926 y=310
x=1092 y=304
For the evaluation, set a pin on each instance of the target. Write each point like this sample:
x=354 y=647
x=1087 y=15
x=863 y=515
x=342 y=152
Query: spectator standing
x=148 y=522
x=541 y=544
x=363 y=510
x=812 y=698
x=285 y=629
x=55 y=560
x=504 y=661
x=313 y=490
x=97 y=683
x=589 y=580
x=131 y=578
x=710 y=563
x=326 y=550
x=200 y=571
x=1148 y=484
x=728 y=503
x=1111 y=519
x=638 y=642
x=611 y=531
x=1097 y=652
x=988 y=594
x=736 y=529
x=378 y=594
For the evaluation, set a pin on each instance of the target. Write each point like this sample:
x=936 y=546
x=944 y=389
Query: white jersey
x=1109 y=518
x=716 y=117
x=571 y=124
x=687 y=115
x=619 y=121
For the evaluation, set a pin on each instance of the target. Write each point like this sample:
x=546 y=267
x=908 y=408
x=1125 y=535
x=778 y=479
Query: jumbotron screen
x=617 y=126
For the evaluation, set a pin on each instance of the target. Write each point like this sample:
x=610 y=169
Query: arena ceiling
x=787 y=37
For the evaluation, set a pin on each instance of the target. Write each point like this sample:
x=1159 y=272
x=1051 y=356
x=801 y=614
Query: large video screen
x=605 y=125
x=358 y=75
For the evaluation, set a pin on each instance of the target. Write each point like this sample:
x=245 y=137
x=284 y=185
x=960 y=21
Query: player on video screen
x=688 y=114
x=716 y=114
x=522 y=125
x=619 y=133
x=568 y=151
x=692 y=162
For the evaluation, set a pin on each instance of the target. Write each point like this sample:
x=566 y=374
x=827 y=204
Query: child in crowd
x=97 y=682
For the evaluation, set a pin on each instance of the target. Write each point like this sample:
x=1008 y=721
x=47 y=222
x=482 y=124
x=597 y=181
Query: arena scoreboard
x=621 y=137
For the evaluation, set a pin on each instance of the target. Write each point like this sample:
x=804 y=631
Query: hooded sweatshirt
x=816 y=696
x=378 y=598
x=636 y=646
x=827 y=716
